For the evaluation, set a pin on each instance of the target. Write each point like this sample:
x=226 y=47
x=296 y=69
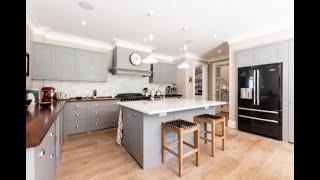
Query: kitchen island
x=142 y=125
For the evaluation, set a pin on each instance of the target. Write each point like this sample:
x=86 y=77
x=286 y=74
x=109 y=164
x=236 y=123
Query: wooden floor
x=247 y=156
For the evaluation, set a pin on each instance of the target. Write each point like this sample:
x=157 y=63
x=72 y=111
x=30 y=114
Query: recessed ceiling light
x=151 y=12
x=83 y=22
x=185 y=28
x=215 y=36
x=219 y=51
x=85 y=5
x=145 y=39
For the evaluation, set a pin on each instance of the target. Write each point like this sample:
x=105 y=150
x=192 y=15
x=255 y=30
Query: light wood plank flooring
x=247 y=156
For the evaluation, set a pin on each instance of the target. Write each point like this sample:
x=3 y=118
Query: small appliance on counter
x=171 y=90
x=145 y=91
x=33 y=94
x=62 y=95
x=94 y=94
x=47 y=94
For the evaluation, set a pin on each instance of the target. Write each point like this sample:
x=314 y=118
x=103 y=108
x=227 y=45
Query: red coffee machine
x=47 y=94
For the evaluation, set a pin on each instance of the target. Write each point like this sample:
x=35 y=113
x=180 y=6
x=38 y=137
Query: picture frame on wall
x=27 y=63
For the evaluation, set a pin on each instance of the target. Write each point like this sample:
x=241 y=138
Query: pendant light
x=149 y=60
x=184 y=65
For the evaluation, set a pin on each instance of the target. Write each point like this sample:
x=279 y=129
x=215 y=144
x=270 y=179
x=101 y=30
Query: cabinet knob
x=77 y=126
x=96 y=112
x=51 y=134
x=77 y=114
x=97 y=124
x=114 y=103
x=42 y=152
x=77 y=105
x=114 y=110
x=52 y=156
x=135 y=114
x=114 y=120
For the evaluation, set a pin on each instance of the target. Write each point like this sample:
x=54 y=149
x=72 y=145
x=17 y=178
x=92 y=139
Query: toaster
x=62 y=95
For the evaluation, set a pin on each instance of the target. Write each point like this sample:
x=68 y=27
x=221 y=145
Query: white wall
x=29 y=37
x=224 y=72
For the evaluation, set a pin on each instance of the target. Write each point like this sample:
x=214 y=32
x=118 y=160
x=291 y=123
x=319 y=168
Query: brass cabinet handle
x=42 y=152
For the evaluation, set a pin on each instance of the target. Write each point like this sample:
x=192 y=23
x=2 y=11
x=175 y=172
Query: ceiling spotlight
x=185 y=47
x=85 y=5
x=215 y=36
x=151 y=12
x=219 y=51
x=83 y=22
x=185 y=28
x=145 y=39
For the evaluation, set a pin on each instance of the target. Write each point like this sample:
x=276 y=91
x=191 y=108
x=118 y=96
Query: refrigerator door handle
x=259 y=119
x=254 y=87
x=258 y=87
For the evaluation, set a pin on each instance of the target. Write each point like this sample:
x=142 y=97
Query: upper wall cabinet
x=63 y=63
x=272 y=53
x=163 y=73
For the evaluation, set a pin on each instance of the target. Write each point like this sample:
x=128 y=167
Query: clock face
x=135 y=58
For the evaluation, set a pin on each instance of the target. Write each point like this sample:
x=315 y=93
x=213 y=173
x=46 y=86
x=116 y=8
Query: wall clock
x=135 y=58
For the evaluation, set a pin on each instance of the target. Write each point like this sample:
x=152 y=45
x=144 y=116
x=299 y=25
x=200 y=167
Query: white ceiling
x=128 y=20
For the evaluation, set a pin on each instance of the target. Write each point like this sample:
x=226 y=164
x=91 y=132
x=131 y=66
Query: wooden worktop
x=39 y=121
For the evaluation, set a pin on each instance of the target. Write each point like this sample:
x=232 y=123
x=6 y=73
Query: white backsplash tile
x=115 y=84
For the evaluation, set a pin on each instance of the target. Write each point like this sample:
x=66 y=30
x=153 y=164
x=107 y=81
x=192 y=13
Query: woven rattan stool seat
x=179 y=123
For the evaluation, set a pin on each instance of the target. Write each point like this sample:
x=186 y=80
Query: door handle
x=258 y=87
x=254 y=87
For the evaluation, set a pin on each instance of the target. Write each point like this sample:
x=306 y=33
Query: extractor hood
x=123 y=66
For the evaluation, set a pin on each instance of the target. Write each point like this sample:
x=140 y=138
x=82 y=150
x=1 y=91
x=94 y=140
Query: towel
x=120 y=127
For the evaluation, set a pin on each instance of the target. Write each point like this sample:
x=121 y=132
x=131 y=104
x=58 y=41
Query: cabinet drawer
x=76 y=126
x=73 y=115
x=106 y=103
x=98 y=123
x=77 y=106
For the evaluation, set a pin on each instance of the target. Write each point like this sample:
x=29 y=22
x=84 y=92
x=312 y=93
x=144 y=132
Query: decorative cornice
x=131 y=45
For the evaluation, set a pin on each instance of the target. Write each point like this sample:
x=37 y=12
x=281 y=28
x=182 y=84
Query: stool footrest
x=190 y=153
x=205 y=138
x=204 y=131
x=188 y=144
x=170 y=150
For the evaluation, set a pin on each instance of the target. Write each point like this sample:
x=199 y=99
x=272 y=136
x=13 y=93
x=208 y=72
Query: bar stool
x=181 y=127
x=213 y=121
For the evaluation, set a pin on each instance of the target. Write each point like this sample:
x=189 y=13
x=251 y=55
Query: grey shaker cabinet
x=43 y=62
x=164 y=73
x=52 y=62
x=86 y=116
x=40 y=160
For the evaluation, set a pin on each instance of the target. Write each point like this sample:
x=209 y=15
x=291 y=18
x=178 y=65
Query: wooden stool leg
x=180 y=136
x=223 y=133
x=205 y=133
x=213 y=132
x=163 y=143
x=196 y=136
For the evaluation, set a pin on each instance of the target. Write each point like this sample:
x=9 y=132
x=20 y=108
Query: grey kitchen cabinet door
x=99 y=64
x=65 y=63
x=164 y=73
x=84 y=63
x=272 y=53
x=245 y=58
x=43 y=61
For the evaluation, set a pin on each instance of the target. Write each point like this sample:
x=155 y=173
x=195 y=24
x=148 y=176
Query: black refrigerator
x=260 y=100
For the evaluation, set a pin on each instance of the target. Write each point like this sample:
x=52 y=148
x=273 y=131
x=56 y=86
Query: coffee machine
x=47 y=94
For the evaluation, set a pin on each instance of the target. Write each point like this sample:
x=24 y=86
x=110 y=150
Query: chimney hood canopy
x=123 y=65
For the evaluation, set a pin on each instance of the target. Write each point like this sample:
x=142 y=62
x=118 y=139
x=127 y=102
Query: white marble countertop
x=169 y=105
